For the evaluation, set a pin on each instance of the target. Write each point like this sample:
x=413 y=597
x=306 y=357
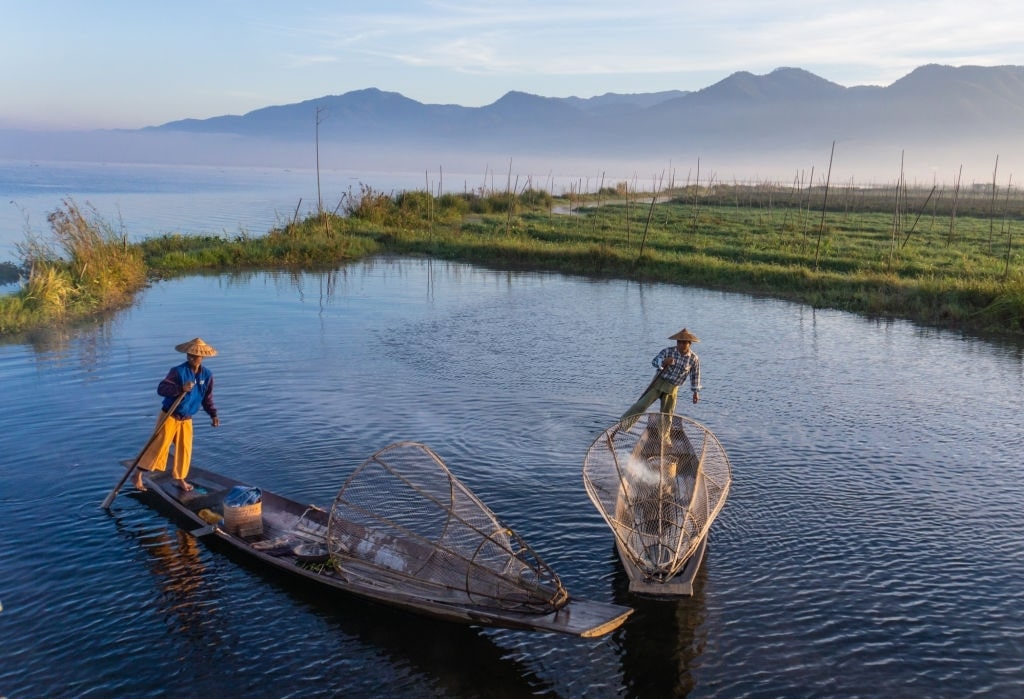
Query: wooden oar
x=631 y=419
x=653 y=381
x=156 y=432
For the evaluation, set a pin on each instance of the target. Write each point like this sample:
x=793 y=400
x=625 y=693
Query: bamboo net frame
x=404 y=521
x=659 y=481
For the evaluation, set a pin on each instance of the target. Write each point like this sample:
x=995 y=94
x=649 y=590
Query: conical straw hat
x=684 y=334
x=197 y=347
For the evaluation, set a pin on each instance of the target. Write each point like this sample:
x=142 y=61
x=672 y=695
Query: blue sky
x=69 y=64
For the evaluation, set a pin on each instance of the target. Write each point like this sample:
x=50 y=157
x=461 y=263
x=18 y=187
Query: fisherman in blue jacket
x=195 y=381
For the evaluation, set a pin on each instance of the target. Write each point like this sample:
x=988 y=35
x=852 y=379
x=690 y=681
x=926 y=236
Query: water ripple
x=869 y=547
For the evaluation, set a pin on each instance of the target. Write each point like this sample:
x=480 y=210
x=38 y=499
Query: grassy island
x=939 y=258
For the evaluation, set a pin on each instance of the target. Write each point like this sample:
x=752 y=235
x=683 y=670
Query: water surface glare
x=871 y=545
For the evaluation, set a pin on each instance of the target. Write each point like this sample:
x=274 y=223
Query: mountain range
x=931 y=119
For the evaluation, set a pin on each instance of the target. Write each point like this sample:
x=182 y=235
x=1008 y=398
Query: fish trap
x=658 y=480
x=404 y=521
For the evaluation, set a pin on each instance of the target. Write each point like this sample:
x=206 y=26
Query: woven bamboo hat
x=197 y=347
x=684 y=334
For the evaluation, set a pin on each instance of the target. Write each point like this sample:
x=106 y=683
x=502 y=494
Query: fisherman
x=195 y=381
x=674 y=364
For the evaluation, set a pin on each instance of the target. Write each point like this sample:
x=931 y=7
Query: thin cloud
x=592 y=38
x=461 y=52
x=302 y=61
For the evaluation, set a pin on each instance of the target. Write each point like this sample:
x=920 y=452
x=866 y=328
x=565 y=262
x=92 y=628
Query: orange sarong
x=178 y=433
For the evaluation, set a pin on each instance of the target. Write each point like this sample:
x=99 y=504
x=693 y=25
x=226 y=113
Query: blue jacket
x=201 y=395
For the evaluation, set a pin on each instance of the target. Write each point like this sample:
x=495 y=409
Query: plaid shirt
x=686 y=364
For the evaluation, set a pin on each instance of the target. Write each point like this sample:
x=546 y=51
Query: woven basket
x=245 y=520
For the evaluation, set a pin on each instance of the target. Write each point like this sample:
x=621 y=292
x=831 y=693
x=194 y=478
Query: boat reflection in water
x=662 y=644
x=458 y=659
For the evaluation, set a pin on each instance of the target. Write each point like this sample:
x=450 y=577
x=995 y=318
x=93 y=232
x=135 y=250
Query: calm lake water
x=151 y=200
x=871 y=545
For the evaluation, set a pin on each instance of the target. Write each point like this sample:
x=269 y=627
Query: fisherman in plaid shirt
x=674 y=365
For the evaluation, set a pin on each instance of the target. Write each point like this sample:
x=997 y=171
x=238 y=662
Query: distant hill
x=785 y=104
x=743 y=124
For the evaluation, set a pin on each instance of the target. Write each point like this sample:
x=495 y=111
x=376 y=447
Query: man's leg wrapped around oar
x=661 y=390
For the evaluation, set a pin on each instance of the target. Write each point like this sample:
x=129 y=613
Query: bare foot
x=184 y=485
x=137 y=481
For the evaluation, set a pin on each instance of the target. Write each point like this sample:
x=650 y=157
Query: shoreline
x=852 y=261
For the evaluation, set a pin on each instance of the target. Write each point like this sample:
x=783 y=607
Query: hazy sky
x=116 y=64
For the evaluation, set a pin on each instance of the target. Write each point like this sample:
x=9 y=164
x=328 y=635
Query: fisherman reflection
x=177 y=565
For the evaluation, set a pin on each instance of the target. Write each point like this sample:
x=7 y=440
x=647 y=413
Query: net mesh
x=404 y=521
x=659 y=481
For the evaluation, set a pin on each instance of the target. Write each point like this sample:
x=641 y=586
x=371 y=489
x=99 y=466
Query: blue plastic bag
x=242 y=495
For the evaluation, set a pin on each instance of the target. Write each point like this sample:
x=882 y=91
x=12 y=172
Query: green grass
x=920 y=262
x=86 y=268
x=861 y=262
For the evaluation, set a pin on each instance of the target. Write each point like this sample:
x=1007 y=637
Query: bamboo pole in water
x=919 y=214
x=1009 y=235
x=992 y=208
x=956 y=201
x=650 y=213
x=824 y=203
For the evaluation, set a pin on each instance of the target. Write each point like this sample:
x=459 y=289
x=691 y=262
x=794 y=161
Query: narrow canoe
x=351 y=557
x=659 y=481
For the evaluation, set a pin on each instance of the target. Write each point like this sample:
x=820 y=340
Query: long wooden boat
x=659 y=481
x=402 y=531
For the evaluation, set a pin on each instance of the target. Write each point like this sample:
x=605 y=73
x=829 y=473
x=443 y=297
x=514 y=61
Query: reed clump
x=85 y=267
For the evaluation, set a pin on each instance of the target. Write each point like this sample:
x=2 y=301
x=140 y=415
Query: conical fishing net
x=405 y=523
x=659 y=481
